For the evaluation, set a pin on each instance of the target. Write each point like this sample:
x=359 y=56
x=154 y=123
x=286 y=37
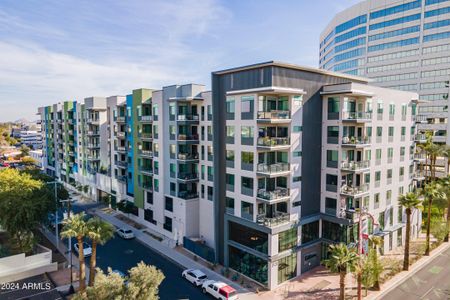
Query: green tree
x=77 y=227
x=36 y=174
x=410 y=201
x=376 y=243
x=439 y=229
x=430 y=192
x=28 y=161
x=446 y=154
x=24 y=205
x=108 y=286
x=24 y=151
x=445 y=189
x=341 y=261
x=144 y=282
x=99 y=232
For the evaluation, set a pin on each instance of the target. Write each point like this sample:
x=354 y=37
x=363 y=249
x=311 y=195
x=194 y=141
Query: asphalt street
x=431 y=282
x=122 y=255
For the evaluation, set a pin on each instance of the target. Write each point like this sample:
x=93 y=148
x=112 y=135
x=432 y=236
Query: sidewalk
x=170 y=253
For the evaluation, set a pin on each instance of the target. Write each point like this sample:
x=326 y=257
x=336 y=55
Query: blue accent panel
x=436 y=36
x=395 y=9
x=351 y=44
x=346 y=65
x=394 y=44
x=437 y=12
x=394 y=33
x=351 y=23
x=350 y=34
x=429 y=2
x=329 y=36
x=395 y=22
x=130 y=169
x=436 y=24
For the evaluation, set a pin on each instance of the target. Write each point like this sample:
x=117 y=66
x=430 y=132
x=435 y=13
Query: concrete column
x=272 y=276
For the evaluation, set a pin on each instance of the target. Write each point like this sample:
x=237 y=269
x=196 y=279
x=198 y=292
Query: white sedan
x=195 y=277
x=87 y=250
x=125 y=233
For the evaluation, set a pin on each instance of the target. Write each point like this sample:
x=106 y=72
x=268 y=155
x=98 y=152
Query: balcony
x=92 y=158
x=146 y=135
x=144 y=119
x=146 y=186
x=420 y=138
x=357 y=116
x=121 y=164
x=273 y=143
x=121 y=149
x=93 y=121
x=420 y=157
x=146 y=153
x=278 y=194
x=355 y=191
x=120 y=119
x=420 y=119
x=121 y=178
x=418 y=176
x=93 y=146
x=71 y=153
x=184 y=138
x=187 y=156
x=278 y=219
x=146 y=170
x=186 y=195
x=120 y=135
x=358 y=142
x=355 y=166
x=93 y=133
x=272 y=170
x=274 y=116
x=187 y=177
x=188 y=118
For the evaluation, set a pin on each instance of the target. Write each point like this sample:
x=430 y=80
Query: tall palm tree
x=341 y=260
x=446 y=153
x=430 y=192
x=76 y=227
x=99 y=232
x=410 y=201
x=434 y=151
x=445 y=185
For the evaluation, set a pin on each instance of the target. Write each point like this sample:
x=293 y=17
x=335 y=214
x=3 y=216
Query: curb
x=395 y=282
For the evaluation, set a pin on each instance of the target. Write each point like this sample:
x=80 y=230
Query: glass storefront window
x=248 y=264
x=248 y=237
x=287 y=239
x=287 y=268
x=310 y=232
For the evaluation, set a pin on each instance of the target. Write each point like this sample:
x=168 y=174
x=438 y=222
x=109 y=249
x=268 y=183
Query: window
x=247 y=186
x=332 y=134
x=229 y=204
x=392 y=109
x=287 y=268
x=297 y=128
x=332 y=158
x=247 y=135
x=388 y=197
x=229 y=179
x=230 y=108
x=379 y=131
x=168 y=204
x=391 y=131
x=168 y=224
x=393 y=33
x=230 y=134
x=297 y=178
x=310 y=232
x=297 y=153
x=247 y=107
x=377 y=200
x=148 y=216
x=287 y=239
x=331 y=183
x=395 y=21
x=230 y=155
x=436 y=12
x=351 y=34
x=395 y=9
x=351 y=23
x=330 y=206
x=377 y=175
x=210 y=193
x=247 y=210
x=393 y=44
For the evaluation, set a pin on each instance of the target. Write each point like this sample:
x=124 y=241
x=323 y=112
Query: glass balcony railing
x=358 y=115
x=146 y=118
x=355 y=165
x=185 y=137
x=187 y=117
x=147 y=153
x=120 y=119
x=273 y=168
x=272 y=221
x=274 y=115
x=420 y=138
x=273 y=141
x=188 y=176
x=146 y=135
x=361 y=140
x=187 y=195
x=354 y=190
x=187 y=156
x=276 y=194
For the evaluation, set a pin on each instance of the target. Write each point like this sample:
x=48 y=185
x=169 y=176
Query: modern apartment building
x=403 y=45
x=293 y=161
x=261 y=173
x=31 y=138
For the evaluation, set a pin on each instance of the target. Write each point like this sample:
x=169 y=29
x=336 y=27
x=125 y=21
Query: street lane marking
x=435 y=269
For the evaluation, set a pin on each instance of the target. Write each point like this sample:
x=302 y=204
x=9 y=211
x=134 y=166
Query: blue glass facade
x=437 y=12
x=393 y=44
x=351 y=23
x=130 y=170
x=350 y=34
x=436 y=36
x=395 y=22
x=394 y=33
x=395 y=9
x=429 y=2
x=351 y=44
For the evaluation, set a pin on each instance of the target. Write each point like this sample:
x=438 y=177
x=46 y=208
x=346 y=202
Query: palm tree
x=446 y=153
x=76 y=227
x=410 y=201
x=434 y=151
x=376 y=242
x=445 y=185
x=341 y=261
x=99 y=232
x=430 y=191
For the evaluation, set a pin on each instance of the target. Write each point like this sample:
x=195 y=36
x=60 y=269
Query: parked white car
x=219 y=290
x=125 y=233
x=195 y=277
x=87 y=250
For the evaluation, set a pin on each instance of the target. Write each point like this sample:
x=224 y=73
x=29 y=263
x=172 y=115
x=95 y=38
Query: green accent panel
x=139 y=96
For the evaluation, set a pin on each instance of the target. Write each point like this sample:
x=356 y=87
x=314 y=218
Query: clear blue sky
x=55 y=50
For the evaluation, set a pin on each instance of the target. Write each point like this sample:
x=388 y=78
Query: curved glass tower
x=403 y=45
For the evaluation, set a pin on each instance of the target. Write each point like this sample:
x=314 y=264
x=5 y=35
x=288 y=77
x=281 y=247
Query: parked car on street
x=125 y=233
x=87 y=250
x=219 y=290
x=195 y=277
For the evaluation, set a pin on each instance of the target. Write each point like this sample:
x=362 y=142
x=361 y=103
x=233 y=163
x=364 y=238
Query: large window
x=334 y=232
x=247 y=134
x=287 y=239
x=168 y=204
x=287 y=268
x=333 y=134
x=248 y=237
x=247 y=210
x=230 y=108
x=332 y=158
x=333 y=108
x=310 y=232
x=248 y=264
x=247 y=103
x=247 y=186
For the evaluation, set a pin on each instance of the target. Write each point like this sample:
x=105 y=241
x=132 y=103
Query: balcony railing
x=185 y=137
x=278 y=219
x=120 y=134
x=273 y=168
x=147 y=153
x=355 y=165
x=274 y=115
x=278 y=193
x=187 y=156
x=90 y=132
x=354 y=190
x=146 y=135
x=362 y=140
x=121 y=163
x=188 y=176
x=354 y=116
x=420 y=157
x=146 y=118
x=273 y=141
x=419 y=118
x=121 y=149
x=120 y=119
x=187 y=195
x=146 y=169
x=93 y=145
x=420 y=138
x=187 y=117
